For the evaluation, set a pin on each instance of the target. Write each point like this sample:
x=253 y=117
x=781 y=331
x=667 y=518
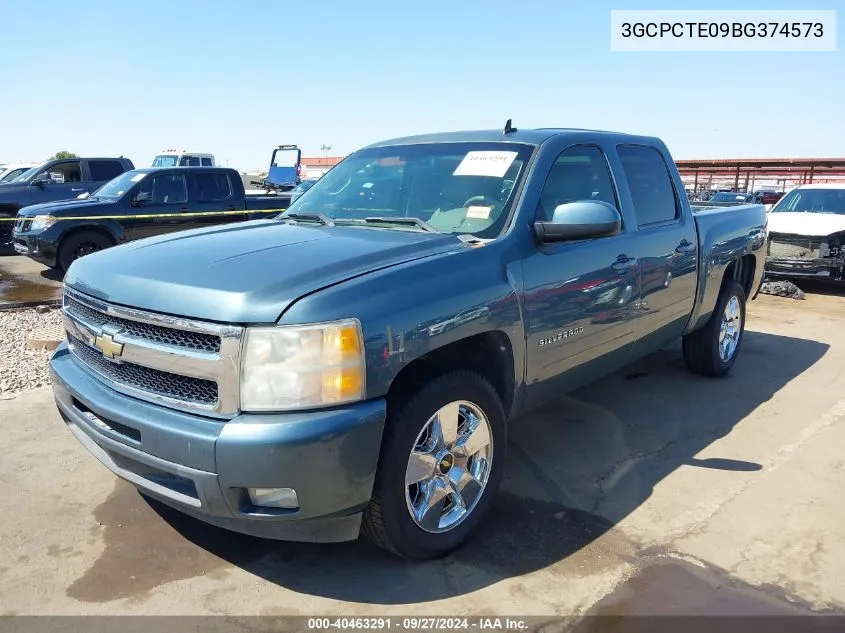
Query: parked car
x=58 y=179
x=183 y=158
x=10 y=171
x=732 y=197
x=336 y=370
x=767 y=197
x=807 y=233
x=301 y=188
x=137 y=204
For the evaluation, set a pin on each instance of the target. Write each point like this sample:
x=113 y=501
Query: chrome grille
x=23 y=224
x=157 y=333
x=797 y=248
x=172 y=361
x=174 y=386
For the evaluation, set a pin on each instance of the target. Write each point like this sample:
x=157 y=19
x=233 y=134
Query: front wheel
x=441 y=464
x=79 y=244
x=712 y=350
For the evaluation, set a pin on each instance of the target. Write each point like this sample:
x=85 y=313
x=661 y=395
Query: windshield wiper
x=308 y=217
x=401 y=221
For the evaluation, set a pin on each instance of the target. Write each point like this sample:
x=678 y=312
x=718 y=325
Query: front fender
x=412 y=309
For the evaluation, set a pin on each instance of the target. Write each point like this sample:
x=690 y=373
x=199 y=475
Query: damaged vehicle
x=807 y=233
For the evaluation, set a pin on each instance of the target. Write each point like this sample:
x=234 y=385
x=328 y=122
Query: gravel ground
x=22 y=369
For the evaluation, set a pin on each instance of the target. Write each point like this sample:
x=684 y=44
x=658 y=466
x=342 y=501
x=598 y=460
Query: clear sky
x=107 y=77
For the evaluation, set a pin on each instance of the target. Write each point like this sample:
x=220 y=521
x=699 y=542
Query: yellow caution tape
x=187 y=214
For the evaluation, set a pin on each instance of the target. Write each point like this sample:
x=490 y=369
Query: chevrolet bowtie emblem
x=105 y=343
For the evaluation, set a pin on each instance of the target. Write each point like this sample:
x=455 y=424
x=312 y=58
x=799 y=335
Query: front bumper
x=818 y=268
x=203 y=466
x=33 y=246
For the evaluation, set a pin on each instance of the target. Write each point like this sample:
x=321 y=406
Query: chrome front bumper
x=203 y=466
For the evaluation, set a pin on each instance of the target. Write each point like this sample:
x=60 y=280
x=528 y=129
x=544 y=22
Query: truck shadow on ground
x=576 y=468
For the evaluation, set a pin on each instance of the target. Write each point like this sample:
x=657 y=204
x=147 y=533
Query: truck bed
x=723 y=236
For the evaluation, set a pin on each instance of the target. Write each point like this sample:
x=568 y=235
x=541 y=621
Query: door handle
x=685 y=247
x=82 y=189
x=623 y=264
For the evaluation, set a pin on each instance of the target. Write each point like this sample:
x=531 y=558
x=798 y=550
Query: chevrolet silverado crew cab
x=353 y=364
x=137 y=204
x=58 y=179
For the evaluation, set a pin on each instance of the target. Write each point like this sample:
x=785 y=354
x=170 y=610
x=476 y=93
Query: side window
x=70 y=171
x=206 y=162
x=189 y=161
x=651 y=187
x=103 y=170
x=579 y=173
x=166 y=189
x=213 y=187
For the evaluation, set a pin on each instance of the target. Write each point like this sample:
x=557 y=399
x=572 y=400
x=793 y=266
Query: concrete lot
x=652 y=491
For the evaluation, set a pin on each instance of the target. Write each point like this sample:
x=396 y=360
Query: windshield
x=118 y=186
x=730 y=197
x=457 y=188
x=165 y=161
x=11 y=174
x=812 y=201
x=25 y=175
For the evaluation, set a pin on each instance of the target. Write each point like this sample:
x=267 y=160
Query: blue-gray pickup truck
x=352 y=365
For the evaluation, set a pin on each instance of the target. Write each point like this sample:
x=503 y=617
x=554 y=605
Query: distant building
x=316 y=166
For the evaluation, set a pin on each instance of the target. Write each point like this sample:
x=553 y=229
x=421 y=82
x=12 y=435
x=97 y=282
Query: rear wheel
x=441 y=464
x=712 y=350
x=80 y=244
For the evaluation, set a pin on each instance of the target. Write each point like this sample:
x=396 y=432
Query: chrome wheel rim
x=448 y=467
x=730 y=330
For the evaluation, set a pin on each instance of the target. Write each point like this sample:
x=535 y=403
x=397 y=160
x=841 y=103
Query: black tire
x=387 y=521
x=80 y=244
x=701 y=348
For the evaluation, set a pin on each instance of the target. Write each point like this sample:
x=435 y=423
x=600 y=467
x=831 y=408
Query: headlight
x=41 y=222
x=302 y=366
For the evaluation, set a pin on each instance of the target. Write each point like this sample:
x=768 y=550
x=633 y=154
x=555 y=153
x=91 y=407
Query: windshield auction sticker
x=493 y=164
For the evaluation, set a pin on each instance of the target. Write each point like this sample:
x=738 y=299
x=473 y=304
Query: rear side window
x=651 y=187
x=189 y=161
x=213 y=187
x=104 y=169
x=206 y=162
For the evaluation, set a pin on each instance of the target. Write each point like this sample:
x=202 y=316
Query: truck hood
x=248 y=272
x=67 y=208
x=809 y=224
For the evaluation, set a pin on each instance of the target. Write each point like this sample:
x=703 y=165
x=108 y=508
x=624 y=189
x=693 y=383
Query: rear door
x=166 y=200
x=218 y=197
x=667 y=244
x=285 y=166
x=101 y=170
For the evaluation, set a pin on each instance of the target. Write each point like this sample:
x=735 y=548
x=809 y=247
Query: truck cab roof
x=535 y=136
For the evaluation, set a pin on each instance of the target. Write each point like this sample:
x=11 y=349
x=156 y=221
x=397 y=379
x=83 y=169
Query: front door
x=163 y=201
x=64 y=181
x=580 y=297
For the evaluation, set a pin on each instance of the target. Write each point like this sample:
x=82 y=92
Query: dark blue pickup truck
x=58 y=179
x=353 y=365
x=137 y=204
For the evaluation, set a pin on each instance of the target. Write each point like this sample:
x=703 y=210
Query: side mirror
x=141 y=197
x=580 y=220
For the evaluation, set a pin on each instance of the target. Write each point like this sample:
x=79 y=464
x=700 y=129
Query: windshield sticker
x=138 y=177
x=493 y=164
x=479 y=213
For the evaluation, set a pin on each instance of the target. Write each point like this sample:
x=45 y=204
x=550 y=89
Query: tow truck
x=284 y=174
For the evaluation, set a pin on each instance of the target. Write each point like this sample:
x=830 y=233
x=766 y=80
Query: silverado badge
x=559 y=336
